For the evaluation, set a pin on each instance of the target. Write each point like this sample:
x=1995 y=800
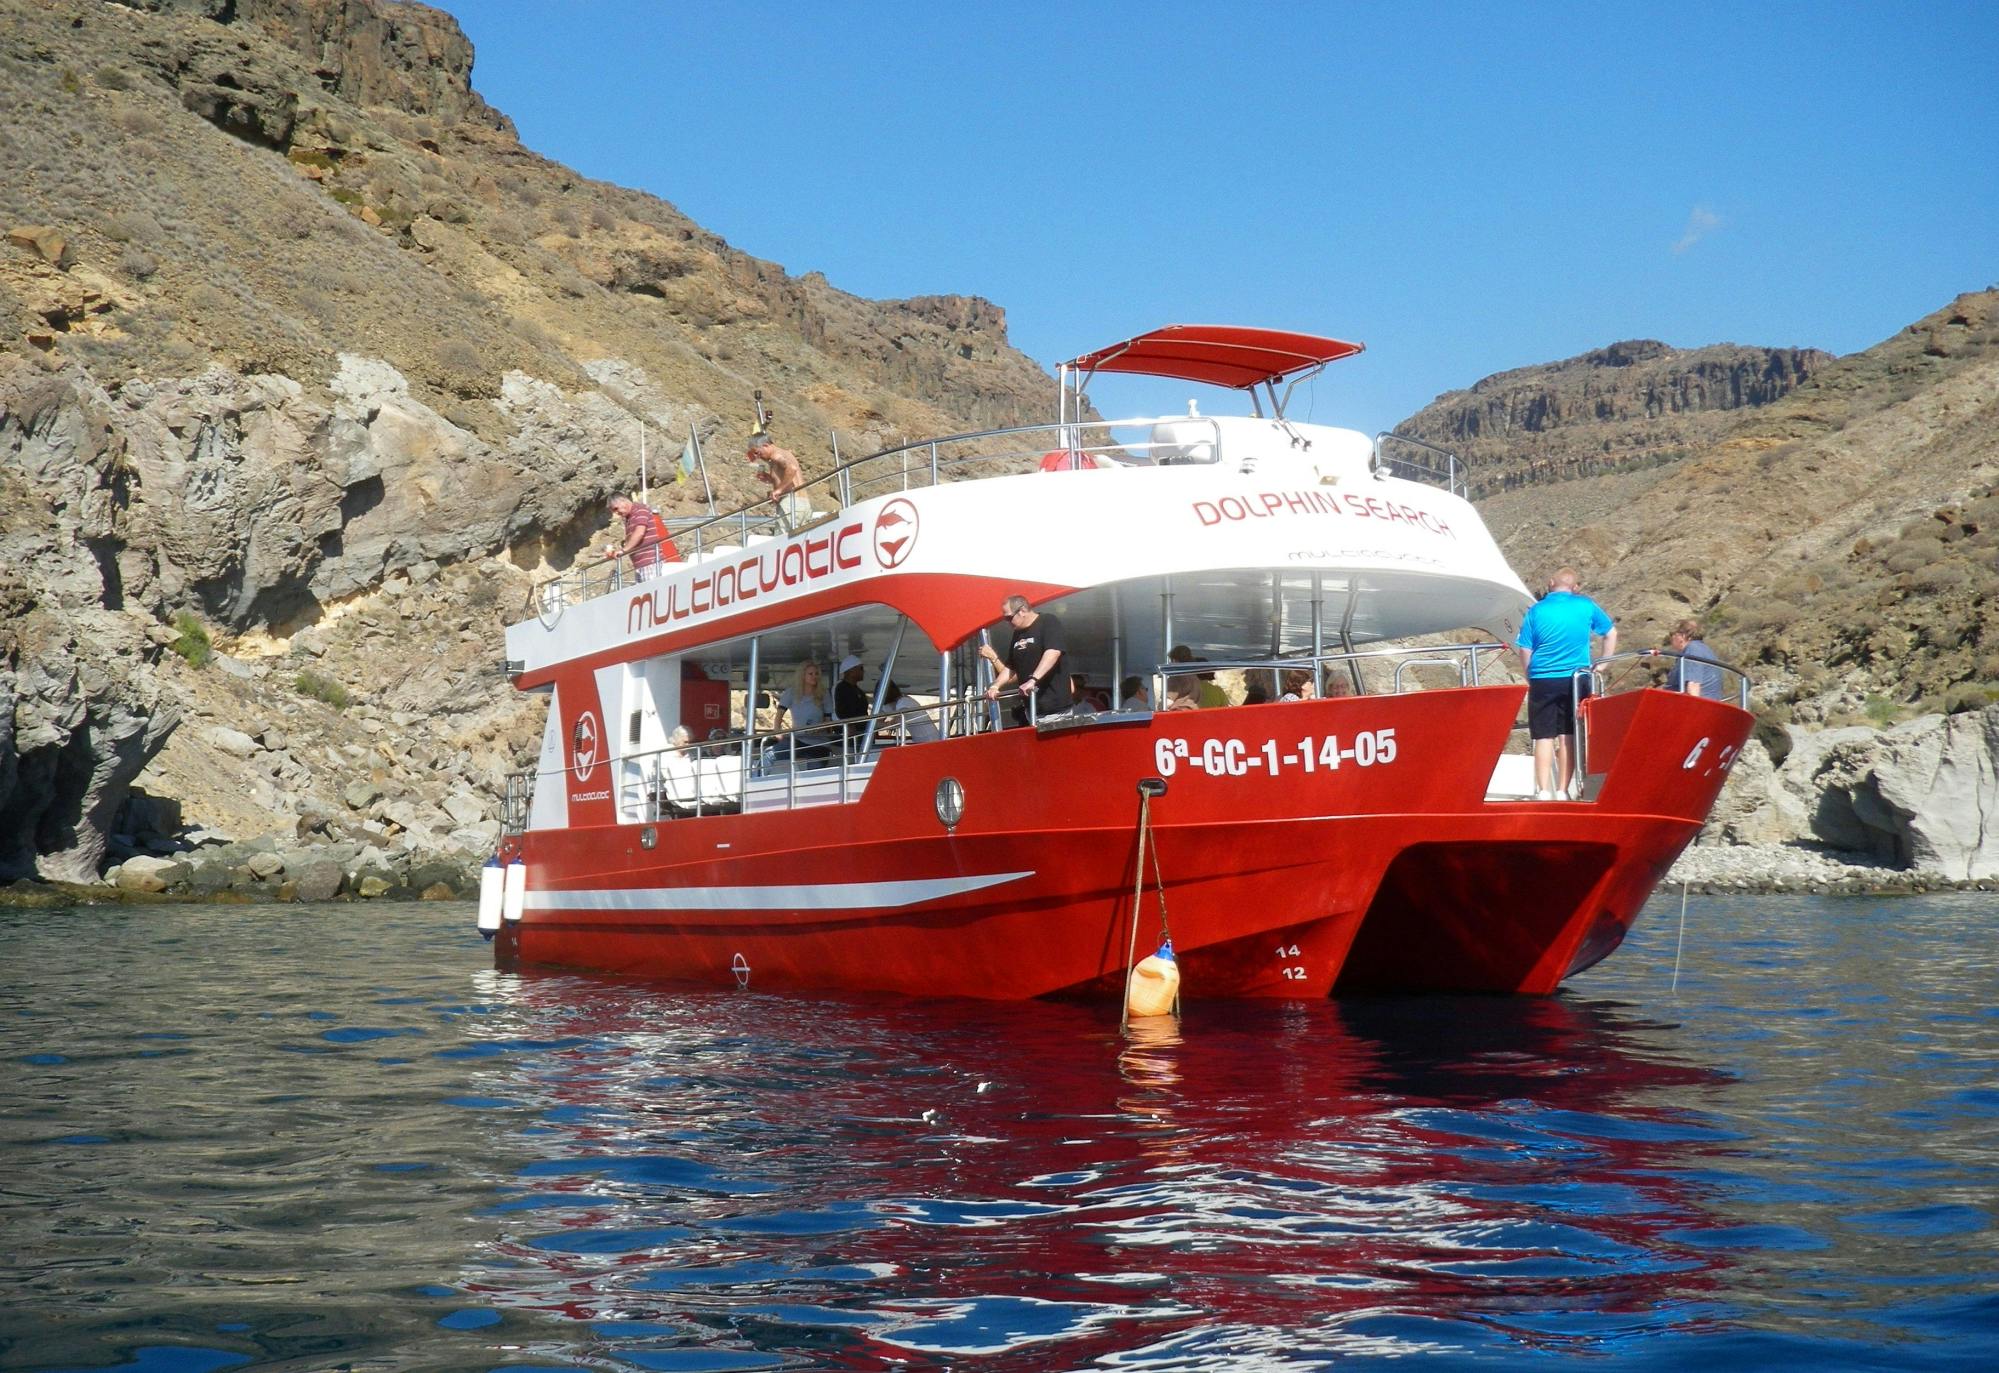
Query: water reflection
x=906 y=1180
x=306 y=1140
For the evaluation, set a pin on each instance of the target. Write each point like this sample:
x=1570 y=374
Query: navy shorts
x=1551 y=708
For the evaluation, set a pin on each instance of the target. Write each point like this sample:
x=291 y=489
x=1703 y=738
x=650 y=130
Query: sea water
x=320 y=1137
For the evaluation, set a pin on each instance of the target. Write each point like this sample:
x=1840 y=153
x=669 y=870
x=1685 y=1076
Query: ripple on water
x=568 y=1172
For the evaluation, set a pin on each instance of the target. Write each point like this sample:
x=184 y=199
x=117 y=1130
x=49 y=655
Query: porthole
x=950 y=802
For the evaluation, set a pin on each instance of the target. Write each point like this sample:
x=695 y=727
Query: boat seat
x=1512 y=778
x=721 y=782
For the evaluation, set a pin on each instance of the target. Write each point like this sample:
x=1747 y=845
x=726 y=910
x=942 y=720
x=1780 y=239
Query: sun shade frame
x=1216 y=354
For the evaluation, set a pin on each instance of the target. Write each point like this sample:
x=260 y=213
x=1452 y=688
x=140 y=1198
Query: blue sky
x=1463 y=187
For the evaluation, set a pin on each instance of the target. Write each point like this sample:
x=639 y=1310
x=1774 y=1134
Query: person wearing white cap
x=849 y=701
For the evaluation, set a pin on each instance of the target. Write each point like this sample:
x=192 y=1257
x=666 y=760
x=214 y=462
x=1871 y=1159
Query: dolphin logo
x=895 y=533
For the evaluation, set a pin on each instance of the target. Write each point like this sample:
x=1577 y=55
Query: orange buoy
x=1155 y=983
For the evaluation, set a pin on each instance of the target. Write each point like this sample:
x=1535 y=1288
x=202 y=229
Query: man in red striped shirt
x=646 y=539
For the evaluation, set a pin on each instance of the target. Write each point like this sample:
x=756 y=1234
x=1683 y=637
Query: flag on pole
x=690 y=454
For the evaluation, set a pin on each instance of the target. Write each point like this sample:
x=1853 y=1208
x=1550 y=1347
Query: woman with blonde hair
x=804 y=701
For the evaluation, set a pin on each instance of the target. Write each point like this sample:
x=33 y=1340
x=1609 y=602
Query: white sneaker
x=1544 y=795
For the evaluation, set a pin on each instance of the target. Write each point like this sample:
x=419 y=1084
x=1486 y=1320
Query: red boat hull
x=1291 y=868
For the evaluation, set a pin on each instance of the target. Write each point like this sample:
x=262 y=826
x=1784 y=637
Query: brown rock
x=439 y=891
x=45 y=242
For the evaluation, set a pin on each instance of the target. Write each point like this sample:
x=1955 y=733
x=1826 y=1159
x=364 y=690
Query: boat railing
x=1428 y=463
x=826 y=763
x=1611 y=676
x=1011 y=451
x=518 y=802
x=1342 y=673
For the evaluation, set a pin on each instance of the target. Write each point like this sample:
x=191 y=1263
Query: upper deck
x=1204 y=508
x=1249 y=525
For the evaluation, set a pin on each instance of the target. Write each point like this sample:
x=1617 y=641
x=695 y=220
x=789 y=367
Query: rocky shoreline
x=263 y=871
x=259 y=871
x=1713 y=869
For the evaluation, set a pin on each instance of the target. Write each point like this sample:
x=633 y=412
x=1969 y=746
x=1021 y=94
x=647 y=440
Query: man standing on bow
x=1554 y=643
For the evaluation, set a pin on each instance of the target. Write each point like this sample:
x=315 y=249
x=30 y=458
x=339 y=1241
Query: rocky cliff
x=307 y=366
x=1632 y=405
x=1833 y=521
x=1839 y=538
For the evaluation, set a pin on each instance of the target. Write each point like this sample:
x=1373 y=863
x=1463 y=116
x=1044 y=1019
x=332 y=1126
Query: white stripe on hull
x=818 y=896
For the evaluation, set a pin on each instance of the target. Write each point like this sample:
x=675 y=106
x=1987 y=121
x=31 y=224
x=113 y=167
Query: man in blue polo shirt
x=1554 y=645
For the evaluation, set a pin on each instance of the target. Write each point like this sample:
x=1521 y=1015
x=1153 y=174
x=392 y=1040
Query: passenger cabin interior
x=1367 y=633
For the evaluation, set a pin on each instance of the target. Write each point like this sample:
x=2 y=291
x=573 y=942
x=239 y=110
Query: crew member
x=1033 y=659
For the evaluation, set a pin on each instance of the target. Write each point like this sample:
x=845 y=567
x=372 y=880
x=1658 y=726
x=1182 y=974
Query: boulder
x=46 y=243
x=436 y=872
x=210 y=875
x=1747 y=811
x=143 y=874
x=1923 y=795
x=360 y=794
x=1934 y=787
x=265 y=866
x=374 y=884
x=318 y=880
x=232 y=741
x=1799 y=796
x=475 y=840
x=438 y=891
x=464 y=808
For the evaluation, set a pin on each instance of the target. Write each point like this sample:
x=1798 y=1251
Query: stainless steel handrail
x=759 y=757
x=1743 y=682
x=1453 y=474
x=1462 y=656
x=936 y=464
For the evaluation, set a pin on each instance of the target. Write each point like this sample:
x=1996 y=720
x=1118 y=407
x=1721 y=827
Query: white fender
x=516 y=897
x=492 y=880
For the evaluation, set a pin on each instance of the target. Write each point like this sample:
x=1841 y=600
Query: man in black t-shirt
x=1033 y=660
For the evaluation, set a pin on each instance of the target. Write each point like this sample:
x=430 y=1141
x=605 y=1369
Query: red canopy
x=1219 y=354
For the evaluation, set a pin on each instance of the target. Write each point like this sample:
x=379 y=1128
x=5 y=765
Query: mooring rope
x=1137 y=898
x=1677 y=948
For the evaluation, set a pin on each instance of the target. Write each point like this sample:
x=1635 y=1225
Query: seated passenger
x=1338 y=682
x=1080 y=693
x=805 y=702
x=1298 y=685
x=1183 y=693
x=1133 y=694
x=1256 y=693
x=919 y=726
x=1208 y=694
x=849 y=701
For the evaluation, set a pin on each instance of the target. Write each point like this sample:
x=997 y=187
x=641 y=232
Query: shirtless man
x=778 y=469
